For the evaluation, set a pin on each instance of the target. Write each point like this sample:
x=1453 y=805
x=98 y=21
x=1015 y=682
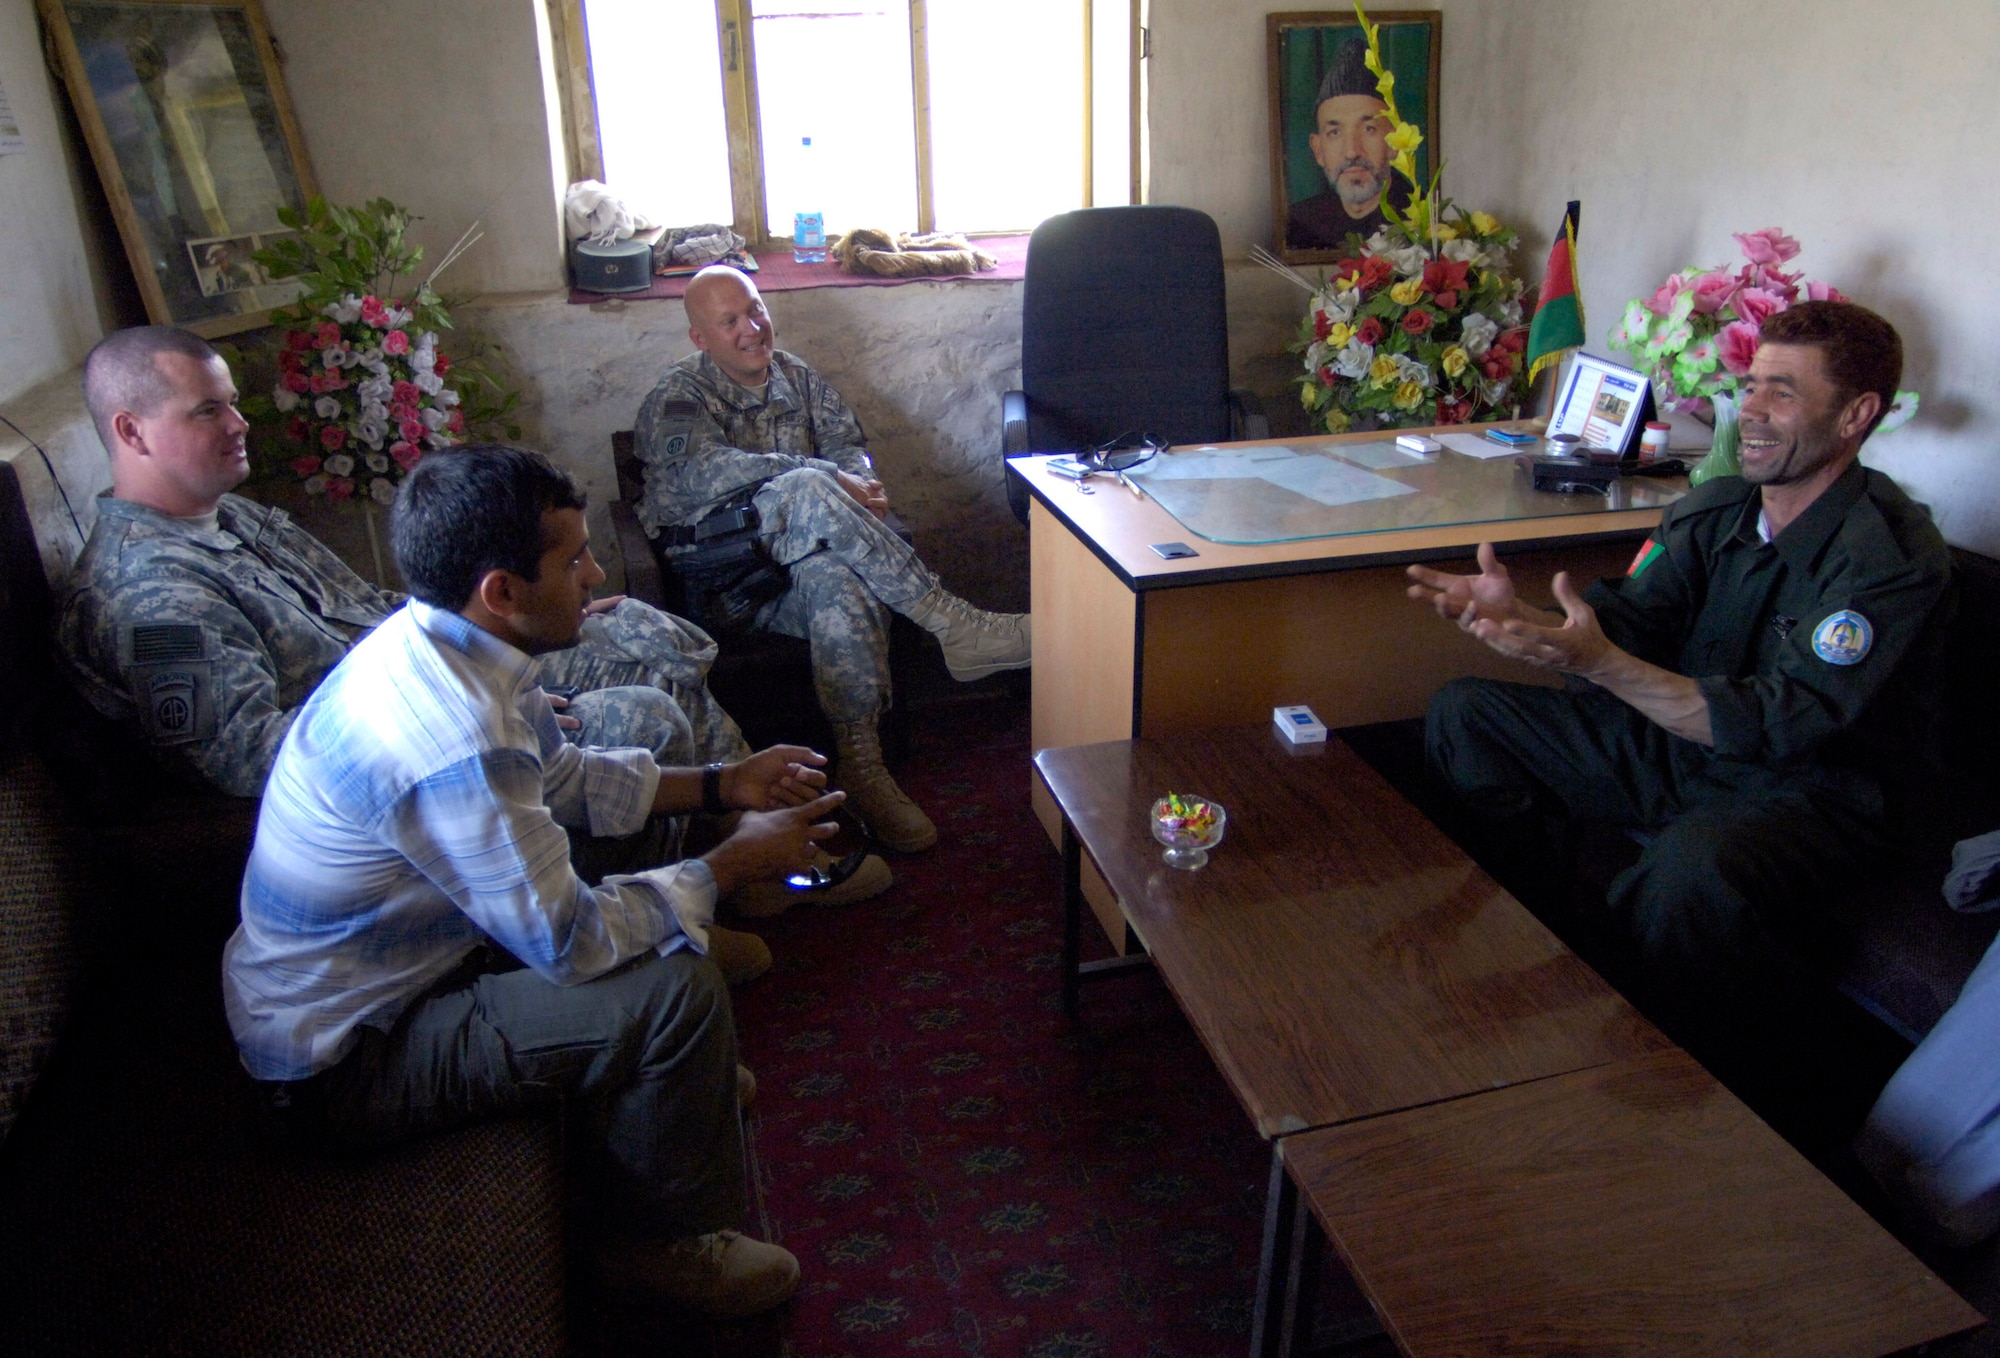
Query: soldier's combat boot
x=976 y=643
x=872 y=794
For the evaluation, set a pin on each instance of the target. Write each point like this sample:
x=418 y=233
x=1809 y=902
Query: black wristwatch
x=711 y=791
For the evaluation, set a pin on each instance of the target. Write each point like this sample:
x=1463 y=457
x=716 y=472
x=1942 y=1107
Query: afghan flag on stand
x=1558 y=323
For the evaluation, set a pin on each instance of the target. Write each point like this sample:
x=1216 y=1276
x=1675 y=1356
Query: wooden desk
x=1629 y=1209
x=1339 y=958
x=1128 y=644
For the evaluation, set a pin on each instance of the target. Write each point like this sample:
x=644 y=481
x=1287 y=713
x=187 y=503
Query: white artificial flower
x=374 y=410
x=447 y=398
x=316 y=484
x=371 y=357
x=1408 y=261
x=1354 y=360
x=1315 y=355
x=329 y=357
x=375 y=389
x=398 y=317
x=1377 y=244
x=433 y=419
x=340 y=464
x=377 y=463
x=1495 y=389
x=326 y=408
x=346 y=311
x=371 y=431
x=429 y=383
x=1409 y=370
x=1510 y=314
x=436 y=439
x=1464 y=250
x=286 y=400
x=382 y=491
x=1475 y=334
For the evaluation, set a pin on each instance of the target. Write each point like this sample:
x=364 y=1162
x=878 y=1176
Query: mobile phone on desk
x=1067 y=466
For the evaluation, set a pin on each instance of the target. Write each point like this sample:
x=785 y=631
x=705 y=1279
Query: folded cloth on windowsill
x=894 y=255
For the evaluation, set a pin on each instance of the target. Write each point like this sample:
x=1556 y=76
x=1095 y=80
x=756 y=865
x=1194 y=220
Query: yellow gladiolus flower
x=1338 y=337
x=1454 y=360
x=1407 y=292
x=1405 y=137
x=1409 y=396
x=1383 y=371
x=1485 y=223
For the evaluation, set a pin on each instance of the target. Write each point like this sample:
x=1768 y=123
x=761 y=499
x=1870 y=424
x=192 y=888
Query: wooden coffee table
x=1339 y=958
x=1636 y=1208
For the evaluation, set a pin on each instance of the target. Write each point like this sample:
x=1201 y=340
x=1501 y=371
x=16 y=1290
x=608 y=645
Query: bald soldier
x=1350 y=144
x=742 y=441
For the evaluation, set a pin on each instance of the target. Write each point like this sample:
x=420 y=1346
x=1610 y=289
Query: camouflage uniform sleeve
x=690 y=464
x=836 y=431
x=192 y=674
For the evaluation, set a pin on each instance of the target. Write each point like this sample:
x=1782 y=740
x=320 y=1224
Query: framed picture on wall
x=1329 y=156
x=193 y=137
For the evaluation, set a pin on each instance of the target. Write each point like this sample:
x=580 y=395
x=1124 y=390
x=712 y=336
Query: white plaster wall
x=923 y=365
x=437 y=105
x=1859 y=132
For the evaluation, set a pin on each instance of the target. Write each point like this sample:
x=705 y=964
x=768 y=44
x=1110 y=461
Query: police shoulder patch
x=1842 y=638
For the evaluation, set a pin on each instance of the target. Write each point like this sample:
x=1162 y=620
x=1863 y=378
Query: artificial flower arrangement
x=362 y=385
x=1696 y=335
x=1422 y=325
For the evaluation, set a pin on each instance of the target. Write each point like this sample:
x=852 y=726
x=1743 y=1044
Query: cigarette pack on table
x=1299 y=725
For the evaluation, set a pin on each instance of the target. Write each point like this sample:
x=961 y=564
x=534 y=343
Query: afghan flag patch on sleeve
x=1649 y=552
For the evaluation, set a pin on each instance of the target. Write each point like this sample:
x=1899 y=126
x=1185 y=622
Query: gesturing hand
x=1578 y=646
x=1466 y=599
x=768 y=844
x=783 y=775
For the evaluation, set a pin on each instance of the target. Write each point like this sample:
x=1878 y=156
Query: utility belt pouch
x=726 y=571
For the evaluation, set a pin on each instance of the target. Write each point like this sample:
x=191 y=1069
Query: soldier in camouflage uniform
x=741 y=424
x=204 y=620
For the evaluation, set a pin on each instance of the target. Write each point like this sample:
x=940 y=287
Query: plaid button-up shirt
x=416 y=810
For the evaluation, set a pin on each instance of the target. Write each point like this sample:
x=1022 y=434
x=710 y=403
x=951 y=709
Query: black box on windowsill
x=622 y=266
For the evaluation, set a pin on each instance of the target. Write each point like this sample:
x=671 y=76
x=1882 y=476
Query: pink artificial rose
x=396 y=342
x=297 y=382
x=297 y=341
x=1769 y=246
x=340 y=488
x=405 y=394
x=1661 y=302
x=442 y=365
x=1417 y=321
x=411 y=428
x=326 y=336
x=305 y=466
x=373 y=312
x=1739 y=346
x=1712 y=292
x=333 y=438
x=298 y=430
x=1817 y=291
x=455 y=422
x=405 y=453
x=1756 y=305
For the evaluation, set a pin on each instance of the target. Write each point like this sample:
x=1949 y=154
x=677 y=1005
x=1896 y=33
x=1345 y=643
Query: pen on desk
x=1130 y=485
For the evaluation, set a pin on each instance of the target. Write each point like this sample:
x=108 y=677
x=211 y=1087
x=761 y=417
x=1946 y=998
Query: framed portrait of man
x=1329 y=149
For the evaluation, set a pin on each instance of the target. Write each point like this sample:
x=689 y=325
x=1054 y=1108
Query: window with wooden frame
x=924 y=115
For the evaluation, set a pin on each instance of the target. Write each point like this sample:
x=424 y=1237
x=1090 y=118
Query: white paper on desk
x=1315 y=477
x=1375 y=455
x=1476 y=445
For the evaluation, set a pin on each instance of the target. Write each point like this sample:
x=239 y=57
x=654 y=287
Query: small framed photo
x=1604 y=405
x=1329 y=156
x=192 y=134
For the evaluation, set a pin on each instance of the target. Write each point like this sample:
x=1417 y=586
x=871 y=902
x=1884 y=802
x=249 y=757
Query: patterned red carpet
x=959 y=1171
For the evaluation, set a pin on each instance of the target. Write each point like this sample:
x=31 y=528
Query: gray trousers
x=849 y=574
x=652 y=1045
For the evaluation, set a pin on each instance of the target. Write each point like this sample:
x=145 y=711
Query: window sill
x=777 y=272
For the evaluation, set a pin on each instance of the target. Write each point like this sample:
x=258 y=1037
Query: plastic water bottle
x=808 y=228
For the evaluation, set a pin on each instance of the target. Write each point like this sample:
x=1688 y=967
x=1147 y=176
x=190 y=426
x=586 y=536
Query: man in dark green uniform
x=1759 y=691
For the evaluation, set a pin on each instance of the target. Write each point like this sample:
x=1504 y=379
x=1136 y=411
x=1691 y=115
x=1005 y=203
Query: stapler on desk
x=1594 y=471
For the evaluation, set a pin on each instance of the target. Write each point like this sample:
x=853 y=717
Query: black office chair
x=1123 y=329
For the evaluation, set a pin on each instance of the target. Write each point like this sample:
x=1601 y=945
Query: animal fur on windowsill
x=893 y=255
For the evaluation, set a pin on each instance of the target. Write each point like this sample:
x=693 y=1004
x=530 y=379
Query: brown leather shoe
x=724 y=1275
x=742 y=957
x=761 y=900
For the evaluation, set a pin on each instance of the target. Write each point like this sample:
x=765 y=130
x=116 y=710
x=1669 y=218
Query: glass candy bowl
x=1189 y=826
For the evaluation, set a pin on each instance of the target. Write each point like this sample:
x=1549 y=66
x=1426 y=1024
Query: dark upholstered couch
x=145 y=1204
